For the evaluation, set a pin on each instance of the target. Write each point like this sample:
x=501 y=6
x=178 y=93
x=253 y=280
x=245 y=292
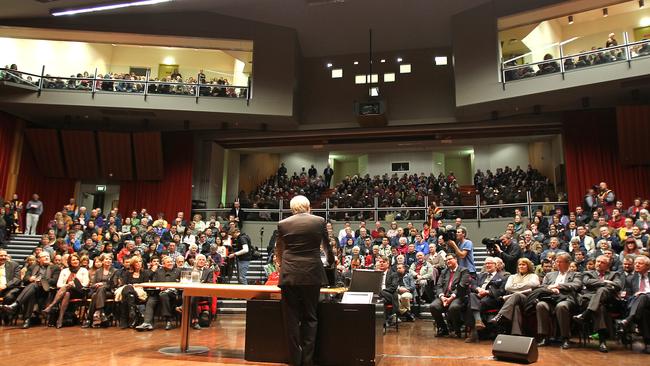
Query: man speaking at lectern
x=301 y=276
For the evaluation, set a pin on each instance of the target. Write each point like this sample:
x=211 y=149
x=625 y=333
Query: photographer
x=510 y=252
x=463 y=249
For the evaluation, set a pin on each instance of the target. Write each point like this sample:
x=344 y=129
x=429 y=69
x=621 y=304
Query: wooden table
x=219 y=290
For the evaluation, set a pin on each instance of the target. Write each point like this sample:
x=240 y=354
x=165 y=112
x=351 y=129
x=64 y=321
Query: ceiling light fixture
x=356 y=62
x=641 y=3
x=329 y=65
x=605 y=12
x=399 y=59
x=570 y=19
x=105 y=7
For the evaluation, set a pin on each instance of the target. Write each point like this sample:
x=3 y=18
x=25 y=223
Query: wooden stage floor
x=413 y=345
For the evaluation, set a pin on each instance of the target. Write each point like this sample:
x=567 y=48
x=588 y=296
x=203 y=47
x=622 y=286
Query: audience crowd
x=586 y=271
x=598 y=56
x=132 y=83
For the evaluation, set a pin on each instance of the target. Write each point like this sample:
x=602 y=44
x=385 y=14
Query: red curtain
x=7 y=129
x=53 y=192
x=592 y=156
x=174 y=192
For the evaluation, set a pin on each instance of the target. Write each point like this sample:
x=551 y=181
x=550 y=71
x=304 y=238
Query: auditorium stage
x=413 y=345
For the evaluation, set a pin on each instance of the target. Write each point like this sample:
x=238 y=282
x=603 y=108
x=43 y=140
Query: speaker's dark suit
x=598 y=293
x=12 y=274
x=301 y=276
x=448 y=286
x=389 y=293
x=639 y=305
x=561 y=305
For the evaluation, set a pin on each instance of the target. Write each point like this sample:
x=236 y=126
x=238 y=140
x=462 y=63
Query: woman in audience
x=188 y=237
x=102 y=284
x=29 y=261
x=71 y=283
x=630 y=247
x=129 y=296
x=126 y=226
x=517 y=287
x=97 y=264
x=642 y=223
x=199 y=225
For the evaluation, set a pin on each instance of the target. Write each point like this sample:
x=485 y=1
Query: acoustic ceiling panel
x=116 y=156
x=80 y=152
x=46 y=149
x=147 y=147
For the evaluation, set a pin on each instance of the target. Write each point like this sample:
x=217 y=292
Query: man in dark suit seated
x=38 y=280
x=557 y=298
x=638 y=292
x=206 y=276
x=451 y=296
x=298 y=249
x=389 y=284
x=9 y=278
x=166 y=298
x=601 y=288
x=484 y=294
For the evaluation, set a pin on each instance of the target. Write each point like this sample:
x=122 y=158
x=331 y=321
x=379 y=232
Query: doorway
x=99 y=195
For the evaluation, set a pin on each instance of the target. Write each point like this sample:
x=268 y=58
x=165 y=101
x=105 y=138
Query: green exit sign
x=101 y=188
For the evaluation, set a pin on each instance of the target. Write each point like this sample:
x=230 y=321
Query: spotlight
x=570 y=19
x=383 y=60
x=605 y=12
x=399 y=59
x=329 y=65
x=356 y=62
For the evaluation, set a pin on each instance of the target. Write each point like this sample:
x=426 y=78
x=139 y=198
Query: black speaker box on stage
x=515 y=348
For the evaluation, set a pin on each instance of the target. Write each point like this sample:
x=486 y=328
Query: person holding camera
x=510 y=252
x=463 y=249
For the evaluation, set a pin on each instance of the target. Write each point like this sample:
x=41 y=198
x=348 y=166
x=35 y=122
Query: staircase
x=256 y=272
x=22 y=245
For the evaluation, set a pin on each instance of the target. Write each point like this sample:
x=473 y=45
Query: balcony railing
x=478 y=211
x=627 y=52
x=144 y=86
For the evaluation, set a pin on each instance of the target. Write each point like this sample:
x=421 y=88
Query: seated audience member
x=405 y=291
x=71 y=283
x=553 y=247
x=527 y=252
x=10 y=278
x=638 y=293
x=601 y=288
x=484 y=294
x=517 y=288
x=509 y=253
x=39 y=279
x=389 y=290
x=130 y=296
x=102 y=284
x=436 y=258
x=451 y=296
x=423 y=273
x=206 y=275
x=556 y=299
x=166 y=298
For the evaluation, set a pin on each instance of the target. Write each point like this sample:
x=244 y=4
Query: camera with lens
x=490 y=243
x=448 y=233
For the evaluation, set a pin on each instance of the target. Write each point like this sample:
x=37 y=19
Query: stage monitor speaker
x=515 y=348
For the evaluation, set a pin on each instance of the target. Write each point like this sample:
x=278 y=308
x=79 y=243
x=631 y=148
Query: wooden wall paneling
x=115 y=155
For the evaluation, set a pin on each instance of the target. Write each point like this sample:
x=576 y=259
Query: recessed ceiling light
x=399 y=59
x=329 y=64
x=605 y=12
x=383 y=60
x=356 y=62
x=570 y=19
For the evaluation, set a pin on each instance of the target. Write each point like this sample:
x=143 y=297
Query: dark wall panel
x=80 y=152
x=115 y=155
x=147 y=147
x=46 y=150
x=633 y=127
